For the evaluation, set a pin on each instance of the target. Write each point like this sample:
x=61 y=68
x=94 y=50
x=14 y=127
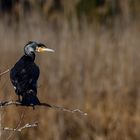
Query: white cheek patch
x=29 y=49
x=15 y=88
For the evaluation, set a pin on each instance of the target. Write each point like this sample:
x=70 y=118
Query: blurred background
x=95 y=67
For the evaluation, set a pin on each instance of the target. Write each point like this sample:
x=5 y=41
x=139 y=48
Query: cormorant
x=25 y=73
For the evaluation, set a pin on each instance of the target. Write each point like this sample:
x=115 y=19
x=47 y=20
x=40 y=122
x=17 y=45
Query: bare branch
x=8 y=103
x=4 y=72
x=18 y=125
x=28 y=125
x=61 y=108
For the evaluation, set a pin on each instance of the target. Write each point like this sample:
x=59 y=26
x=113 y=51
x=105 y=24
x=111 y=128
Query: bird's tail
x=30 y=98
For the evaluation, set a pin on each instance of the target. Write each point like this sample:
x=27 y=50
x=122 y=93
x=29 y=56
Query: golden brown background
x=95 y=68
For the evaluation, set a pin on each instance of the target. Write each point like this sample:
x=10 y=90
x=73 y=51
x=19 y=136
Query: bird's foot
x=33 y=107
x=19 y=101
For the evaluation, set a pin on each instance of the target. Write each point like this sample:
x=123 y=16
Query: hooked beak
x=43 y=48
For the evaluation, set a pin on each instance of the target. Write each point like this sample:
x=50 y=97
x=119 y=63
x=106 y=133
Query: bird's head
x=31 y=47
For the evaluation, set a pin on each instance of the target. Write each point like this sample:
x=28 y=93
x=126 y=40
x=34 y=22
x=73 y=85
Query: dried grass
x=94 y=69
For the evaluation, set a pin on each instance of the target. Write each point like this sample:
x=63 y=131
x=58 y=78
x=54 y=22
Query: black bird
x=25 y=73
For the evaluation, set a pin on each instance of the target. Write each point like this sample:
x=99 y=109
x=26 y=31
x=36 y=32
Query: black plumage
x=25 y=73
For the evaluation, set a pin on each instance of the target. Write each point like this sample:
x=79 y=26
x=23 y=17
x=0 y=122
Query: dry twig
x=8 y=103
x=28 y=125
x=1 y=74
x=17 y=127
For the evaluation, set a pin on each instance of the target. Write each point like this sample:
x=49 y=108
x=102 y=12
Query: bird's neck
x=30 y=57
